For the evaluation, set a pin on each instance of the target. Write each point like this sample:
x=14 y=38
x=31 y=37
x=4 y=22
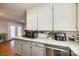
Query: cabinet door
x=45 y=17
x=32 y=19
x=65 y=17
x=77 y=17
x=17 y=46
x=37 y=51
x=26 y=49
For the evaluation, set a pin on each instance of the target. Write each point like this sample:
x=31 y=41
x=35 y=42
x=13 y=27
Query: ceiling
x=15 y=11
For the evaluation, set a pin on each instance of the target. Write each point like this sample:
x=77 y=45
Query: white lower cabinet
x=37 y=51
x=26 y=48
x=17 y=46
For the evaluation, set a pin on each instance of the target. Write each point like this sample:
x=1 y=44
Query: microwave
x=31 y=34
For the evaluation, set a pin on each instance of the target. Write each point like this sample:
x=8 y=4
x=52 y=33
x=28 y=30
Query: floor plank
x=7 y=49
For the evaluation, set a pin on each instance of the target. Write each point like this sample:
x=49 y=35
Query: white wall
x=4 y=25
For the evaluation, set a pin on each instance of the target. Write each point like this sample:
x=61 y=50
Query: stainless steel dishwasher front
x=57 y=50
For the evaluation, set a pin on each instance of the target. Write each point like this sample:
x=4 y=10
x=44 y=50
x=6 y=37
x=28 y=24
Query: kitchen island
x=44 y=43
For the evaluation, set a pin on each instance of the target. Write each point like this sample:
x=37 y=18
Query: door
x=19 y=31
x=12 y=31
x=45 y=17
x=15 y=31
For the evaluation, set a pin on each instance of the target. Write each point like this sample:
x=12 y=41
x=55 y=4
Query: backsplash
x=68 y=33
x=71 y=33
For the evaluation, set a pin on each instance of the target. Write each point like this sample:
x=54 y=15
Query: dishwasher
x=54 y=50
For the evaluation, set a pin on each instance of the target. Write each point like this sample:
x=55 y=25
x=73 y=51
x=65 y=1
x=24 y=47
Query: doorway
x=15 y=31
x=19 y=31
x=12 y=31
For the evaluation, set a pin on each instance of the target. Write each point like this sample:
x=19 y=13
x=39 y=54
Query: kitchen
x=49 y=29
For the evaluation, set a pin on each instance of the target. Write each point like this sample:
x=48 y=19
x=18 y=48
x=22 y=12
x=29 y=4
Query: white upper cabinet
x=53 y=17
x=31 y=22
x=45 y=17
x=65 y=17
x=77 y=17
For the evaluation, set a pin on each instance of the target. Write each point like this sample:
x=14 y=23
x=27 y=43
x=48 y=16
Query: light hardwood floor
x=7 y=49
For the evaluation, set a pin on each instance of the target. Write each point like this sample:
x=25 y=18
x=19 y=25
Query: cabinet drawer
x=33 y=43
x=18 y=41
x=39 y=44
x=26 y=42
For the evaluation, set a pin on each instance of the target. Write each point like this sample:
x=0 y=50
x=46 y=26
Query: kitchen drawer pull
x=40 y=45
x=33 y=43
